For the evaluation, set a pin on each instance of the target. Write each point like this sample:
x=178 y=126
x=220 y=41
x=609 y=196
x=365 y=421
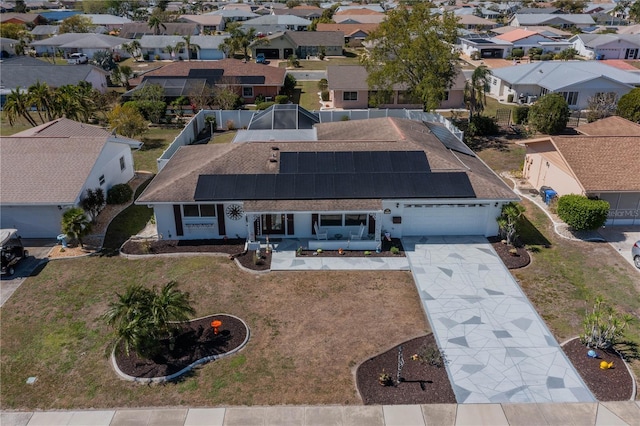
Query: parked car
x=11 y=251
x=261 y=59
x=77 y=58
x=635 y=254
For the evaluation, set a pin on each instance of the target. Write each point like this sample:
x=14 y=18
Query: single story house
x=300 y=43
x=302 y=11
x=354 y=34
x=87 y=43
x=110 y=22
x=361 y=177
x=348 y=89
x=207 y=24
x=602 y=162
x=502 y=45
x=577 y=81
x=561 y=20
x=234 y=14
x=473 y=22
x=48 y=169
x=184 y=78
x=359 y=15
x=7 y=47
x=136 y=30
x=208 y=47
x=268 y=24
x=544 y=30
x=44 y=31
x=22 y=19
x=20 y=72
x=607 y=46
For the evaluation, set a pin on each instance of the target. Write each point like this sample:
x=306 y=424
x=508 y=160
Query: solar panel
x=332 y=162
x=206 y=73
x=448 y=140
x=312 y=186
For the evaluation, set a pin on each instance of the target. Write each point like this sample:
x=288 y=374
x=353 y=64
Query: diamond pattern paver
x=498 y=349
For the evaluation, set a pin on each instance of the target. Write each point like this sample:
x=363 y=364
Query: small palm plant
x=75 y=224
x=603 y=326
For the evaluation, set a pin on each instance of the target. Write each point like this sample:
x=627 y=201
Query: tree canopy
x=414 y=48
x=629 y=105
x=550 y=114
x=76 y=24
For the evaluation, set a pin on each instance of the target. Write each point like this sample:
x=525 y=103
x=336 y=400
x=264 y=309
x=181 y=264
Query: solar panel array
x=354 y=162
x=448 y=139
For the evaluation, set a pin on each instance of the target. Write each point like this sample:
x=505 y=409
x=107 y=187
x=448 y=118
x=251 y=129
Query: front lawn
x=309 y=330
x=156 y=140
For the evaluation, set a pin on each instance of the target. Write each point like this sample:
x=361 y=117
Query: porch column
x=378 y=226
x=251 y=219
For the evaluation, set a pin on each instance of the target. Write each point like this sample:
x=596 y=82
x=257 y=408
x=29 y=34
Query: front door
x=273 y=224
x=631 y=54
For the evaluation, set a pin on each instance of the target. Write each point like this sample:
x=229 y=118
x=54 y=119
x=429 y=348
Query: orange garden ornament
x=216 y=324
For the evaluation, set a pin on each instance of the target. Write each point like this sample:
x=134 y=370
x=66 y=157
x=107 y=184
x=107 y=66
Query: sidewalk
x=605 y=413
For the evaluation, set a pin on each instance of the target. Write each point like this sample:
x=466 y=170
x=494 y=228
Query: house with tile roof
x=364 y=176
x=185 y=78
x=300 y=43
x=359 y=15
x=207 y=24
x=48 y=169
x=348 y=89
x=577 y=81
x=302 y=11
x=607 y=46
x=602 y=162
x=22 y=18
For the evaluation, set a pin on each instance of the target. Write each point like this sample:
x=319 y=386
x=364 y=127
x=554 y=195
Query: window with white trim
x=122 y=163
x=199 y=210
x=570 y=97
x=247 y=92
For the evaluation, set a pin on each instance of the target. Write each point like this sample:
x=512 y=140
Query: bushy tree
x=119 y=194
x=93 y=203
x=75 y=224
x=127 y=121
x=11 y=30
x=629 y=106
x=415 y=48
x=289 y=86
x=141 y=317
x=104 y=60
x=582 y=213
x=567 y=54
x=149 y=92
x=76 y=24
x=550 y=114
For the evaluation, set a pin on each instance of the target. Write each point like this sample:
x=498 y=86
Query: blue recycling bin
x=549 y=194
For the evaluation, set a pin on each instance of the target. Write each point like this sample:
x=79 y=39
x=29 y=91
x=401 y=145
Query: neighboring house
x=300 y=43
x=47 y=170
x=207 y=24
x=382 y=175
x=21 y=72
x=269 y=24
x=138 y=29
x=603 y=163
x=188 y=78
x=44 y=31
x=234 y=14
x=607 y=46
x=209 y=47
x=544 y=30
x=29 y=19
x=354 y=34
x=486 y=47
x=472 y=22
x=359 y=15
x=578 y=20
x=525 y=40
x=110 y=22
x=87 y=43
x=306 y=12
x=577 y=81
x=348 y=89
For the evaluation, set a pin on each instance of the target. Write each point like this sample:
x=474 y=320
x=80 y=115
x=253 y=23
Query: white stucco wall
x=32 y=221
x=108 y=164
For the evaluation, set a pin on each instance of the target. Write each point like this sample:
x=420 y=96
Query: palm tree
x=141 y=317
x=189 y=47
x=132 y=49
x=75 y=224
x=126 y=72
x=241 y=40
x=155 y=22
x=40 y=96
x=171 y=50
x=475 y=90
x=18 y=105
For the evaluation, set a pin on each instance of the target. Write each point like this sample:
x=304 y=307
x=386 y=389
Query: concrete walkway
x=583 y=414
x=498 y=348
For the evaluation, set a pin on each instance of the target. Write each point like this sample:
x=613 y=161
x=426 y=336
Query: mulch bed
x=423 y=384
x=614 y=384
x=384 y=251
x=231 y=246
x=519 y=260
x=249 y=261
x=196 y=340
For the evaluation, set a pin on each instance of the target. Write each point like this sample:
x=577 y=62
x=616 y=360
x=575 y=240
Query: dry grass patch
x=308 y=332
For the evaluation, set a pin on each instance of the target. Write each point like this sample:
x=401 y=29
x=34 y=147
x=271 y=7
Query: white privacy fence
x=239 y=119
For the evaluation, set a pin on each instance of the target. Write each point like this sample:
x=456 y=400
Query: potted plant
x=340 y=251
x=385 y=379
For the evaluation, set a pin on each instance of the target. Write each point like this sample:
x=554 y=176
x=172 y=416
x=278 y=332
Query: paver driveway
x=498 y=348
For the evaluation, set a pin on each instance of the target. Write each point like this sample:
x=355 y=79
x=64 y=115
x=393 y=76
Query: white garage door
x=445 y=219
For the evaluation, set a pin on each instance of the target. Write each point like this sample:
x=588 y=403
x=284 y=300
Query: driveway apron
x=498 y=348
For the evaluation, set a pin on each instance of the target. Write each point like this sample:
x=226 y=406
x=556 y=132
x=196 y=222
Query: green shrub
x=119 y=194
x=546 y=57
x=582 y=213
x=156 y=57
x=482 y=126
x=520 y=114
x=394 y=250
x=259 y=99
x=549 y=114
x=323 y=84
x=475 y=55
x=282 y=99
x=150 y=110
x=535 y=57
x=603 y=327
x=264 y=105
x=517 y=53
x=324 y=95
x=535 y=51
